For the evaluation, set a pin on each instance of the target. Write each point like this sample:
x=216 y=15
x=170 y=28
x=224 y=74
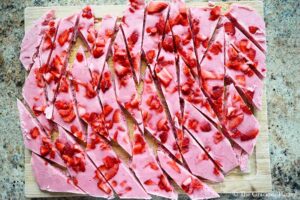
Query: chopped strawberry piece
x=149 y=182
x=249 y=135
x=229 y=28
x=44 y=150
x=163 y=137
x=163 y=184
x=91 y=38
x=133 y=38
x=165 y=77
x=218 y=137
x=34 y=132
x=79 y=57
x=167 y=44
x=153 y=166
x=98 y=52
x=63 y=37
x=174 y=166
x=116 y=116
x=205 y=126
x=162 y=125
x=139 y=144
x=215 y=13
x=150 y=55
x=156 y=7
x=253 y=29
x=107 y=109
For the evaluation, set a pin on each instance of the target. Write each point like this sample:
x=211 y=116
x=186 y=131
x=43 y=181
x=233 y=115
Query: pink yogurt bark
x=250 y=23
x=190 y=91
x=240 y=123
x=132 y=30
x=210 y=138
x=35 y=139
x=166 y=73
x=33 y=38
x=192 y=186
x=196 y=158
x=50 y=178
x=114 y=117
x=238 y=71
x=34 y=94
x=87 y=101
x=246 y=47
x=212 y=71
x=60 y=54
x=102 y=46
x=115 y=171
x=155 y=21
x=64 y=110
x=126 y=91
x=182 y=33
x=155 y=118
x=83 y=172
x=86 y=26
x=147 y=170
x=242 y=157
x=203 y=22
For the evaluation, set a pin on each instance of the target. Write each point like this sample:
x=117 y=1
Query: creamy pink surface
x=156 y=121
x=102 y=44
x=86 y=179
x=190 y=91
x=242 y=157
x=154 y=26
x=198 y=161
x=33 y=38
x=247 y=18
x=167 y=78
x=126 y=92
x=118 y=131
x=212 y=71
x=243 y=76
x=248 y=49
x=50 y=178
x=86 y=26
x=132 y=24
x=200 y=20
x=28 y=123
x=60 y=51
x=185 y=179
x=123 y=181
x=210 y=138
x=183 y=32
x=34 y=94
x=67 y=97
x=234 y=103
x=149 y=173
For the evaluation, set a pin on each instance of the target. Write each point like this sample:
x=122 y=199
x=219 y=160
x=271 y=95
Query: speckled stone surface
x=282 y=85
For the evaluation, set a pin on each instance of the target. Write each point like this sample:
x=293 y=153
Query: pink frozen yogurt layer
x=154 y=115
x=147 y=170
x=197 y=159
x=34 y=95
x=126 y=91
x=88 y=104
x=190 y=91
x=115 y=171
x=35 y=139
x=64 y=110
x=60 y=54
x=33 y=38
x=86 y=26
x=193 y=186
x=238 y=71
x=180 y=25
x=83 y=172
x=132 y=29
x=250 y=22
x=50 y=178
x=204 y=23
x=242 y=157
x=102 y=46
x=210 y=138
x=242 y=126
x=212 y=71
x=166 y=74
x=246 y=47
x=154 y=30
x=117 y=125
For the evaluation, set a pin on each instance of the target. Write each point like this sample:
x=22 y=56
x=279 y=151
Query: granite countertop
x=283 y=63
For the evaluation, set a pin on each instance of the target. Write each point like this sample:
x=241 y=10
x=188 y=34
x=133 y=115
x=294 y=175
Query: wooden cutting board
x=259 y=177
